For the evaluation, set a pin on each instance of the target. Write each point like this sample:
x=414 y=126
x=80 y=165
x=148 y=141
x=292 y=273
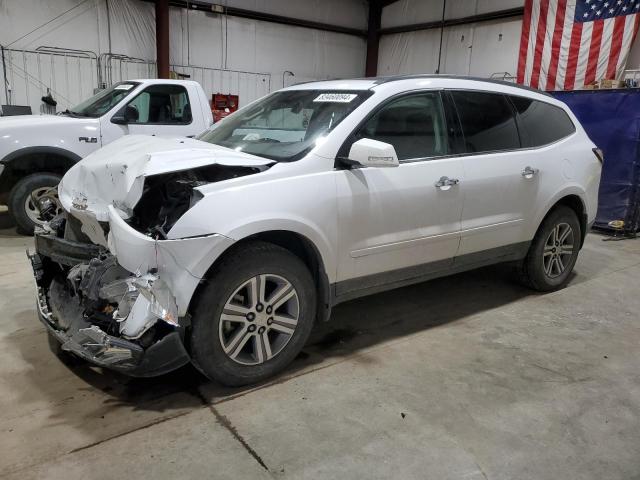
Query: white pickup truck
x=37 y=150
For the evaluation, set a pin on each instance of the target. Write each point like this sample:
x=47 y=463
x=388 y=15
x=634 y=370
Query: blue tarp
x=612 y=120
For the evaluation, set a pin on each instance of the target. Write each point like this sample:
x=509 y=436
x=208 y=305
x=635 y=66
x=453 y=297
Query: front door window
x=413 y=124
x=160 y=105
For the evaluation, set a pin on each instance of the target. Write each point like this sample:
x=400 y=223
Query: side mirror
x=125 y=115
x=372 y=153
x=118 y=119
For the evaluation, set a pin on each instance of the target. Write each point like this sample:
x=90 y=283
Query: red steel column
x=373 y=37
x=162 y=37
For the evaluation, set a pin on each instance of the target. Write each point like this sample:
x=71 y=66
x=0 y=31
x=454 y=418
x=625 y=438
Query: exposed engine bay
x=166 y=197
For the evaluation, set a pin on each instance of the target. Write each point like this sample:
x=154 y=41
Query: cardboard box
x=612 y=84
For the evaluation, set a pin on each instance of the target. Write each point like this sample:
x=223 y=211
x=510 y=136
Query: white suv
x=225 y=249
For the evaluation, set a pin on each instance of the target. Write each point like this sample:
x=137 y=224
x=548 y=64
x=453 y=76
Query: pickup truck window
x=103 y=101
x=161 y=105
x=284 y=126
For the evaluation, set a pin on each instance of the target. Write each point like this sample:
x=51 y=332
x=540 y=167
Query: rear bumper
x=62 y=315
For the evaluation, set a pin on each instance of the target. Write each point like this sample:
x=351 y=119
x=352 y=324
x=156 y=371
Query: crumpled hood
x=114 y=175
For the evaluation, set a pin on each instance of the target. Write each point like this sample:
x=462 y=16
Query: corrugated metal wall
x=117 y=41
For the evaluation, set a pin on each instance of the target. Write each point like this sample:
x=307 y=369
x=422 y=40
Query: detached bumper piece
x=63 y=313
x=65 y=252
x=104 y=349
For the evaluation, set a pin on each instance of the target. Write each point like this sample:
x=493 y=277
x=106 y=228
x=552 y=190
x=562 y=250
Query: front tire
x=253 y=316
x=34 y=201
x=553 y=252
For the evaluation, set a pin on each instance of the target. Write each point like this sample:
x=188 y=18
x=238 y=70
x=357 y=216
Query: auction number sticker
x=335 y=97
x=124 y=86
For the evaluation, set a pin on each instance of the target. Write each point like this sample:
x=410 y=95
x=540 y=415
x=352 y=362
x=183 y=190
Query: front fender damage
x=181 y=263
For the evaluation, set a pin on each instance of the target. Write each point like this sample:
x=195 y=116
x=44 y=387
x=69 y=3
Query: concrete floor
x=467 y=377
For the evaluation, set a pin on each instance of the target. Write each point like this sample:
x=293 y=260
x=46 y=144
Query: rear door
x=499 y=194
x=396 y=224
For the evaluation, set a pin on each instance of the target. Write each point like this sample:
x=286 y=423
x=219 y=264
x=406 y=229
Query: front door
x=397 y=224
x=161 y=109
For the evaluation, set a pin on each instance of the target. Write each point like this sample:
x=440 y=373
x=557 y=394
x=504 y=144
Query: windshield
x=284 y=126
x=103 y=101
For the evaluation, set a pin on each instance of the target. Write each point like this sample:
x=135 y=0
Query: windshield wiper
x=71 y=113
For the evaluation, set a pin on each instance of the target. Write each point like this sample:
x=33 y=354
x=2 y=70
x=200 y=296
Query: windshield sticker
x=251 y=137
x=336 y=97
x=124 y=86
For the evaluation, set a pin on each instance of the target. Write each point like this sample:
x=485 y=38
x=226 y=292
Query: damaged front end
x=114 y=286
x=103 y=313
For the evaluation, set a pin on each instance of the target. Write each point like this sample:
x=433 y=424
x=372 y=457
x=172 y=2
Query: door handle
x=445 y=183
x=529 y=172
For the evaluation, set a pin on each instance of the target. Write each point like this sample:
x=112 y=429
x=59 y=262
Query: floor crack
x=226 y=423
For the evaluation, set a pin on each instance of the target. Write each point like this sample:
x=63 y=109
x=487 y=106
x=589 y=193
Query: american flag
x=567 y=44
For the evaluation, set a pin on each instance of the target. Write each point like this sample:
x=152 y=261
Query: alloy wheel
x=259 y=319
x=558 y=250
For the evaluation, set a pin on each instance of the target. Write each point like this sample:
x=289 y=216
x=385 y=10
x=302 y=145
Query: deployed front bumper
x=62 y=314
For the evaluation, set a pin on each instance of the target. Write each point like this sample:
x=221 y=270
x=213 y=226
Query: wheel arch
x=302 y=247
x=576 y=203
x=25 y=161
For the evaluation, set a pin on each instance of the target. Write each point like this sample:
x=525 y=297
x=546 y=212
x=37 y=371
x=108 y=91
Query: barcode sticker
x=335 y=97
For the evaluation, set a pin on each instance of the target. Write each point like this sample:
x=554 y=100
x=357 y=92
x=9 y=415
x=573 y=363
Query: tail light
x=599 y=154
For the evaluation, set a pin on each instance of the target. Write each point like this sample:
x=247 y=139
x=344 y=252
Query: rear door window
x=488 y=121
x=541 y=123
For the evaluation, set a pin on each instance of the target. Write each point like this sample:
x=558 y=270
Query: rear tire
x=553 y=252
x=21 y=206
x=253 y=316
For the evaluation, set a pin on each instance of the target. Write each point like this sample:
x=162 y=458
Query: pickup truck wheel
x=254 y=315
x=553 y=252
x=34 y=201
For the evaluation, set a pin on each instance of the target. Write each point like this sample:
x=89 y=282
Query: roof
x=369 y=83
x=160 y=80
x=381 y=80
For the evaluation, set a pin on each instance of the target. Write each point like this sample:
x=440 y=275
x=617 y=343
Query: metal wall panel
x=73 y=77
x=70 y=77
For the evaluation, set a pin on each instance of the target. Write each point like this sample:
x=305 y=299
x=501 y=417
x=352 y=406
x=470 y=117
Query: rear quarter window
x=541 y=123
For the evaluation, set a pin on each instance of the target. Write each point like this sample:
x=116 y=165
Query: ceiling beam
x=264 y=17
x=483 y=17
